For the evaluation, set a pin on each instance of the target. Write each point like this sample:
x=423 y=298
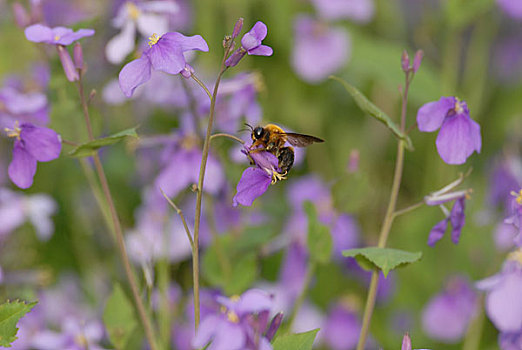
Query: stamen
x=458 y=106
x=518 y=196
x=232 y=317
x=516 y=255
x=235 y=298
x=56 y=37
x=133 y=11
x=153 y=39
x=14 y=132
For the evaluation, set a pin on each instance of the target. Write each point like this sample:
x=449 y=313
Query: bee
x=272 y=138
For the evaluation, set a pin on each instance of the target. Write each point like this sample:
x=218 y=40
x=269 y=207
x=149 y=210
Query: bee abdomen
x=286 y=159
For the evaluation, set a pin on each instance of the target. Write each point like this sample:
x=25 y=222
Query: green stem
x=201 y=179
x=387 y=223
x=223 y=260
x=120 y=242
x=180 y=213
x=474 y=333
x=408 y=209
x=232 y=137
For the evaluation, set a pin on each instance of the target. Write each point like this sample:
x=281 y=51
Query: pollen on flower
x=516 y=255
x=14 y=132
x=235 y=298
x=133 y=11
x=56 y=37
x=232 y=317
x=81 y=340
x=518 y=196
x=153 y=39
x=458 y=106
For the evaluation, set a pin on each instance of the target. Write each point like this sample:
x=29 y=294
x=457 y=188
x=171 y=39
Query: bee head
x=258 y=133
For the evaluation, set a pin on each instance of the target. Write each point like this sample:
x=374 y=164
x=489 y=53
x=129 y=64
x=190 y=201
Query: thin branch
x=232 y=137
x=180 y=213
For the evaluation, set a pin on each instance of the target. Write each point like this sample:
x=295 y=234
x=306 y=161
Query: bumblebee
x=272 y=138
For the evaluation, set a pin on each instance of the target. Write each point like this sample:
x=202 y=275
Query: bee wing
x=300 y=140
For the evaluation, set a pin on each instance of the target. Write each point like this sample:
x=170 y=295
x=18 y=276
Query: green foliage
x=320 y=242
x=89 y=148
x=230 y=262
x=119 y=318
x=385 y=259
x=297 y=341
x=369 y=108
x=10 y=313
x=460 y=13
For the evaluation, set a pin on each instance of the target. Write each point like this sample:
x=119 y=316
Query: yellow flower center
x=56 y=37
x=458 y=106
x=133 y=11
x=153 y=39
x=232 y=317
x=81 y=340
x=516 y=255
x=235 y=298
x=518 y=196
x=14 y=132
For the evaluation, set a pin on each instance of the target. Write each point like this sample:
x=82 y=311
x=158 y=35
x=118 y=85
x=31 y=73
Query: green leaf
x=369 y=108
x=226 y=266
x=320 y=242
x=119 y=318
x=385 y=259
x=89 y=148
x=297 y=341
x=10 y=313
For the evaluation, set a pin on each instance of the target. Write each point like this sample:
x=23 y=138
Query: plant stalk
x=120 y=243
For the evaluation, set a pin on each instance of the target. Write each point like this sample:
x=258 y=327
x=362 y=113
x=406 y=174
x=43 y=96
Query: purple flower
x=32 y=144
x=457 y=219
x=503 y=302
x=505 y=177
x=28 y=107
x=447 y=315
x=459 y=135
x=512 y=8
x=357 y=10
x=144 y=17
x=251 y=44
x=318 y=49
x=239 y=325
x=342 y=327
x=39 y=33
x=165 y=53
x=255 y=180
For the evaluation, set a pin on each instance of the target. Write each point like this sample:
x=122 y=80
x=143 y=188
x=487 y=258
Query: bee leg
x=278 y=177
x=285 y=157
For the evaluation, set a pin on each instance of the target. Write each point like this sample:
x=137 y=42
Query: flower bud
x=405 y=61
x=236 y=56
x=68 y=66
x=353 y=161
x=406 y=342
x=237 y=28
x=417 y=60
x=21 y=16
x=78 y=56
x=187 y=71
x=274 y=326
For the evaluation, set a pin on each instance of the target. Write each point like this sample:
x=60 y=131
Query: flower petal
x=254 y=37
x=122 y=44
x=23 y=167
x=38 y=33
x=457 y=218
x=206 y=331
x=437 y=232
x=166 y=55
x=68 y=39
x=133 y=74
x=504 y=305
x=229 y=336
x=149 y=23
x=195 y=42
x=42 y=143
x=253 y=183
x=254 y=301
x=261 y=50
x=431 y=115
x=458 y=137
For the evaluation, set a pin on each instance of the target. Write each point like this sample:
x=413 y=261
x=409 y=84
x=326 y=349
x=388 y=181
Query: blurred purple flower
x=39 y=33
x=251 y=44
x=29 y=107
x=239 y=325
x=145 y=17
x=512 y=8
x=515 y=216
x=293 y=270
x=510 y=341
x=504 y=236
x=503 y=302
x=505 y=177
x=165 y=53
x=459 y=135
x=457 y=219
x=31 y=144
x=74 y=335
x=341 y=328
x=357 y=10
x=446 y=317
x=255 y=180
x=318 y=49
